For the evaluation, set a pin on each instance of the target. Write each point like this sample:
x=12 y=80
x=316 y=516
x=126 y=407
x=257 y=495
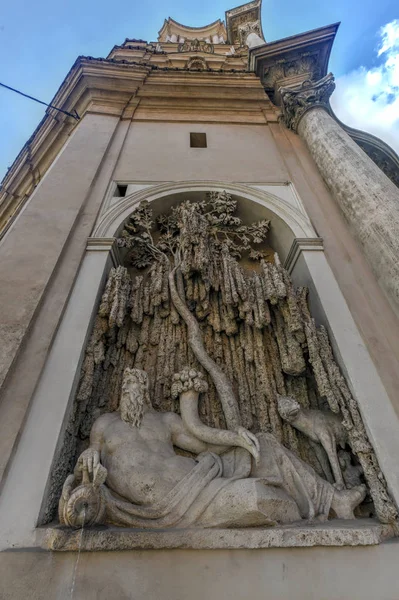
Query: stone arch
x=197 y=63
x=287 y=221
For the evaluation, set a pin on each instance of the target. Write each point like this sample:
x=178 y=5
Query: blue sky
x=39 y=41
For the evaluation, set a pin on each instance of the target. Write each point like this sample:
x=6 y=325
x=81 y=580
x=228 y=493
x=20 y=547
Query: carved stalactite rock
x=255 y=327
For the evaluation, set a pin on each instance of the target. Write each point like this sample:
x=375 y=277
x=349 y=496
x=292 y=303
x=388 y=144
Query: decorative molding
x=172 y=30
x=300 y=245
x=290 y=61
x=359 y=533
x=296 y=101
x=287 y=72
x=196 y=46
x=247 y=28
x=96 y=244
x=297 y=222
x=197 y=63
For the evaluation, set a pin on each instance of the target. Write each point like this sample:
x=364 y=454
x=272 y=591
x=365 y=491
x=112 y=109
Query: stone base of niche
x=364 y=532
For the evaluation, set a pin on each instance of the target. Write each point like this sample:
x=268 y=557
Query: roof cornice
x=91 y=85
x=292 y=60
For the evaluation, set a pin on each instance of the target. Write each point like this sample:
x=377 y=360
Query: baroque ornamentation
x=246 y=28
x=196 y=46
x=298 y=100
x=284 y=69
x=236 y=18
x=197 y=63
x=178 y=411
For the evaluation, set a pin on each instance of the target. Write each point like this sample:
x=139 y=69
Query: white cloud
x=368 y=99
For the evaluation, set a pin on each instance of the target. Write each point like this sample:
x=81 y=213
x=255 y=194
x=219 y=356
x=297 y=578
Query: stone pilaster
x=367 y=198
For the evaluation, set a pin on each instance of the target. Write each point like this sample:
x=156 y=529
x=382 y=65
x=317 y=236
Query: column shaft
x=368 y=199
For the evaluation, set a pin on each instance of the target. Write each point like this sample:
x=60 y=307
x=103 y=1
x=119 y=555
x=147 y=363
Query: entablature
x=293 y=60
x=217 y=91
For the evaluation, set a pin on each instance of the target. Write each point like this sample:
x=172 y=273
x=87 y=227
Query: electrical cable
x=74 y=115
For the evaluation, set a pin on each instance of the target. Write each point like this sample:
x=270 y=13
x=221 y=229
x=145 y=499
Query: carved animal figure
x=322 y=427
x=352 y=474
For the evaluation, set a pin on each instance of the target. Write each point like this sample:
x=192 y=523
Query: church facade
x=200 y=269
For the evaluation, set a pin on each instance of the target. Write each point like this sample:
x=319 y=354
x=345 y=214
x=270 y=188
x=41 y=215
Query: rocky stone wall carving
x=254 y=324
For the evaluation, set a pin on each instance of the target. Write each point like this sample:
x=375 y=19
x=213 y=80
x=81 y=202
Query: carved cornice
x=105 y=245
x=291 y=61
x=296 y=101
x=300 y=245
x=119 y=89
x=173 y=28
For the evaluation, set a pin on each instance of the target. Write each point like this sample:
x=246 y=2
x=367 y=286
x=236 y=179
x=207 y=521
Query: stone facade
x=227 y=311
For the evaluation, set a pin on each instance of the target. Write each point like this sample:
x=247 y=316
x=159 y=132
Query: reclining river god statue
x=131 y=474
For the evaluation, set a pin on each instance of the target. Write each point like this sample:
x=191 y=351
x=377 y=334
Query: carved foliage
x=296 y=101
x=246 y=28
x=283 y=69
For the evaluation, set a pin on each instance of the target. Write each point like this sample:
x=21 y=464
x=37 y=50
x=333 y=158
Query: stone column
x=368 y=199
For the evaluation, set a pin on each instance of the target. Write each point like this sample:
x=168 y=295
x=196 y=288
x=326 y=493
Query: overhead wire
x=74 y=114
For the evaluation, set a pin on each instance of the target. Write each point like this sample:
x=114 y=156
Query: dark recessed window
x=120 y=190
x=197 y=140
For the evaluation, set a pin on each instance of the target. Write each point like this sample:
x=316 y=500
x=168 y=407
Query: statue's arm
x=187 y=386
x=182 y=438
x=90 y=458
x=210 y=435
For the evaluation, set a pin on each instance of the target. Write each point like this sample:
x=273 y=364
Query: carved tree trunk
x=221 y=381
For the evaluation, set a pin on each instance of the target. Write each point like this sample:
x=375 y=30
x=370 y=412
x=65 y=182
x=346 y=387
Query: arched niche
x=287 y=221
x=292 y=236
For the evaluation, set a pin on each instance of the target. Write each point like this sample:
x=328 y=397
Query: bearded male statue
x=132 y=476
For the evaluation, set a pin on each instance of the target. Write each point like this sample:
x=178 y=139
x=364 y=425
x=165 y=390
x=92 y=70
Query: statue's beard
x=132 y=408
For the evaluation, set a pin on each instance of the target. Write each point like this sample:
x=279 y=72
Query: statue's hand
x=251 y=442
x=88 y=460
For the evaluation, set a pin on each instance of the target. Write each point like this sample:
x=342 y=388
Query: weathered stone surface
x=239 y=304
x=321 y=427
x=330 y=573
x=367 y=198
x=339 y=533
x=47 y=219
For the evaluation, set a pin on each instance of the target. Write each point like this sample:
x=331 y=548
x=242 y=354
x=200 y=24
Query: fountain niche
x=202 y=270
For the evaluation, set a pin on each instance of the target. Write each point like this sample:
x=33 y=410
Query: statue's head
x=135 y=397
x=288 y=407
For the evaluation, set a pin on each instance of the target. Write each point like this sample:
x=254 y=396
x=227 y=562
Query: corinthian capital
x=298 y=100
x=250 y=34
